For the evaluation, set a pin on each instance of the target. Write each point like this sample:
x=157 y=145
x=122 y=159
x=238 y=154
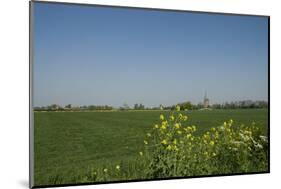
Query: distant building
x=206 y=101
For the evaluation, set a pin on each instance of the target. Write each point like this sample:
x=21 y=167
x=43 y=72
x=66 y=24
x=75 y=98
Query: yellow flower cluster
x=118 y=167
x=171 y=131
x=177 y=125
x=177 y=142
x=164 y=141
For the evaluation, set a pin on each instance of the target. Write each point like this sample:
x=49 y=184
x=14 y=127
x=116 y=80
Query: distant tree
x=186 y=106
x=216 y=106
x=53 y=107
x=141 y=107
x=242 y=104
x=68 y=106
x=37 y=108
x=200 y=106
x=136 y=106
x=126 y=106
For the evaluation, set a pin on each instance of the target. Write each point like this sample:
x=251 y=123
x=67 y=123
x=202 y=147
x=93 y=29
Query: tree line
x=246 y=104
x=69 y=107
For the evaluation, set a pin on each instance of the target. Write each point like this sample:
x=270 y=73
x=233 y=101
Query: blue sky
x=100 y=55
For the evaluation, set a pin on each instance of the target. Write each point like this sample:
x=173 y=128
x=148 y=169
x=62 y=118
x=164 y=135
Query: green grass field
x=68 y=143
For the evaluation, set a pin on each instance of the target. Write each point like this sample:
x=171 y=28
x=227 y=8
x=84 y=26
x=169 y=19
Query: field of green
x=69 y=143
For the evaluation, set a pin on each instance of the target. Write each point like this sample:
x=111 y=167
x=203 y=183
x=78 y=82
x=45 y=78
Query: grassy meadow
x=70 y=145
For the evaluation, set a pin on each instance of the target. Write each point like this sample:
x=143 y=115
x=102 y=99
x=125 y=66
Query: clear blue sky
x=101 y=55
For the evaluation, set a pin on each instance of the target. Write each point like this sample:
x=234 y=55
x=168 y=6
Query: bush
x=174 y=149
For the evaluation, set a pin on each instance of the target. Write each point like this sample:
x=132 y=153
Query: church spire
x=206 y=100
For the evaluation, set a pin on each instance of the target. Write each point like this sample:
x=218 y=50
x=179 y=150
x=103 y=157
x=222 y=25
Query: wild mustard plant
x=176 y=149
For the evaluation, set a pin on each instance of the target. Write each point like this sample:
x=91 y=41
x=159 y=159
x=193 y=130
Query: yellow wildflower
x=177 y=126
x=184 y=118
x=217 y=135
x=162 y=117
x=193 y=128
x=179 y=132
x=118 y=167
x=188 y=129
x=212 y=143
x=145 y=142
x=175 y=141
x=105 y=170
x=172 y=118
x=141 y=153
x=169 y=147
x=180 y=116
x=164 y=142
x=165 y=123
x=188 y=136
x=163 y=127
x=156 y=126
x=178 y=108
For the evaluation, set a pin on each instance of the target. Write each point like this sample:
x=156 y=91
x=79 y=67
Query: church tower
x=206 y=101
